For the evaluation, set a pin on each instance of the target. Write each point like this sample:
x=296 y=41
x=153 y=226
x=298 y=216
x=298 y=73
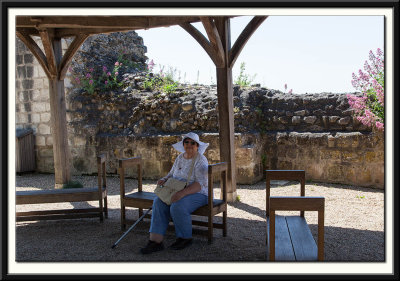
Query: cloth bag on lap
x=172 y=186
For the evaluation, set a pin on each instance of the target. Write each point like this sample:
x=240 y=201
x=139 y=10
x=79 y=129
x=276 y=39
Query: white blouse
x=181 y=168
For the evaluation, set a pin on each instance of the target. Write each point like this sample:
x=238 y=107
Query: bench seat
x=293 y=240
x=58 y=195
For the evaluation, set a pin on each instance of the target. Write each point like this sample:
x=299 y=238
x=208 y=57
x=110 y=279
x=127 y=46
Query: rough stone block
x=212 y=155
x=300 y=113
x=327 y=154
x=151 y=169
x=35 y=117
x=28 y=84
x=310 y=119
x=39 y=107
x=49 y=140
x=28 y=58
x=19 y=59
x=331 y=141
x=21 y=71
x=244 y=155
x=249 y=175
x=44 y=129
x=21 y=118
x=296 y=120
x=29 y=71
x=333 y=119
x=40 y=141
x=37 y=84
x=283 y=119
x=46 y=152
x=344 y=121
x=165 y=167
x=45 y=117
x=284 y=165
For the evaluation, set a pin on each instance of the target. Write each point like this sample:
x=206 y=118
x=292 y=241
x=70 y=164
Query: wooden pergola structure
x=52 y=29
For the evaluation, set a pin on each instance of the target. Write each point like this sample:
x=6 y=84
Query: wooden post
x=55 y=66
x=59 y=123
x=225 y=109
x=218 y=47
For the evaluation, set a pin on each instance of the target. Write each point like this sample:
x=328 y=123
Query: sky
x=311 y=54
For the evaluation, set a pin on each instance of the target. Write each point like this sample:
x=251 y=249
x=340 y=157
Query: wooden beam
x=69 y=54
x=215 y=39
x=73 y=32
x=202 y=40
x=35 y=49
x=244 y=37
x=47 y=39
x=131 y=22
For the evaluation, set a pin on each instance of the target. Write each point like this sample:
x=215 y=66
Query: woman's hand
x=161 y=181
x=177 y=196
x=193 y=188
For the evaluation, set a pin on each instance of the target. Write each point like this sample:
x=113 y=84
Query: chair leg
x=224 y=229
x=210 y=229
x=101 y=210
x=105 y=207
x=123 y=225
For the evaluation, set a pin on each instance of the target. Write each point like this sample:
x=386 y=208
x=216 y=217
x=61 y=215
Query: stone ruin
x=273 y=130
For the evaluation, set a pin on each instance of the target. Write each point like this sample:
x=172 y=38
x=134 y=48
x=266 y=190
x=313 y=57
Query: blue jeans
x=180 y=212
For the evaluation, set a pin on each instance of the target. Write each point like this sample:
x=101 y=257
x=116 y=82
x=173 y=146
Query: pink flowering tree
x=369 y=108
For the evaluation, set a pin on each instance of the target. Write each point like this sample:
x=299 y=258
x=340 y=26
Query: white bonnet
x=202 y=145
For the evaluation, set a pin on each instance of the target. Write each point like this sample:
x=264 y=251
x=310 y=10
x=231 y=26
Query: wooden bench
x=98 y=193
x=144 y=200
x=289 y=237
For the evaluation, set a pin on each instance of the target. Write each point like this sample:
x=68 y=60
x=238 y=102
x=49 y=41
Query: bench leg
x=224 y=230
x=272 y=235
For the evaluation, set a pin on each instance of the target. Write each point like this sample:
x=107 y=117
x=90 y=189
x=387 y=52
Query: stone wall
x=32 y=104
x=352 y=158
x=274 y=130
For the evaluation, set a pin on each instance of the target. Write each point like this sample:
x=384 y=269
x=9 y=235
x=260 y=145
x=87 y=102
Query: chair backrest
x=213 y=169
x=127 y=163
x=295 y=175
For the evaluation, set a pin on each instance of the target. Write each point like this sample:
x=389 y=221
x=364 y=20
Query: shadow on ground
x=90 y=240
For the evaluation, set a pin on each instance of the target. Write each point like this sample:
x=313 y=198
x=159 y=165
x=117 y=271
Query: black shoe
x=152 y=247
x=181 y=243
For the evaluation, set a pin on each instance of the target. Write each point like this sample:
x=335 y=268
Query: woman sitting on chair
x=184 y=202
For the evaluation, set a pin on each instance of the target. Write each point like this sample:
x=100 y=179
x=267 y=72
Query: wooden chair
x=144 y=200
x=289 y=237
x=139 y=199
x=98 y=193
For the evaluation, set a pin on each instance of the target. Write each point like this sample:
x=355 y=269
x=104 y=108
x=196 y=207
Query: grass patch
x=72 y=184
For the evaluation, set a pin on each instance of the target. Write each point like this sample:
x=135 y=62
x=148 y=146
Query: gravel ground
x=354 y=227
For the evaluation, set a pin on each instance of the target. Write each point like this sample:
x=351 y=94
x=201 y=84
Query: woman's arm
x=190 y=189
